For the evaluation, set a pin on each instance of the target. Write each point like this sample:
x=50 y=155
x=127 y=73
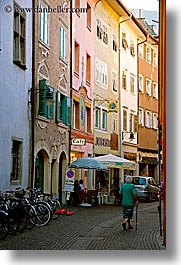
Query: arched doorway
x=41 y=169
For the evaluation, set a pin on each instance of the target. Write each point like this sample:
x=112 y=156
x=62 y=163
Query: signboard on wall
x=78 y=141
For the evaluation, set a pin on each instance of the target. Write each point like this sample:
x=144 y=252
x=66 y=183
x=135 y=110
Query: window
x=155 y=90
x=114 y=123
x=88 y=16
x=101 y=72
x=141 y=117
x=132 y=49
x=88 y=119
x=141 y=83
x=141 y=51
x=77 y=55
x=63 y=108
x=155 y=59
x=104 y=119
x=148 y=119
x=62 y=43
x=148 y=87
x=43 y=25
x=148 y=54
x=105 y=34
x=75 y=115
x=97 y=118
x=132 y=84
x=125 y=120
x=101 y=31
x=124 y=41
x=114 y=44
x=131 y=122
x=124 y=80
x=114 y=81
x=16 y=162
x=46 y=92
x=155 y=121
x=88 y=68
x=19 y=38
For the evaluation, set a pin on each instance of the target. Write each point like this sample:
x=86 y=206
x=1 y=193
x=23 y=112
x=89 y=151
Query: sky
x=152 y=5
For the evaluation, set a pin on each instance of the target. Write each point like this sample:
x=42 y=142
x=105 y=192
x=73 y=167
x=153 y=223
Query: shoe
x=130 y=227
x=124 y=226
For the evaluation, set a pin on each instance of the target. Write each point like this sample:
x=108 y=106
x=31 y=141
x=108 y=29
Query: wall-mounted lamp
x=131 y=136
x=49 y=99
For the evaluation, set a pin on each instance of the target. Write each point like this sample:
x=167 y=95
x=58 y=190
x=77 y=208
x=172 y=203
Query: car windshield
x=139 y=181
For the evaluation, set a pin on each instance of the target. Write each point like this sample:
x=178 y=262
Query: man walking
x=128 y=197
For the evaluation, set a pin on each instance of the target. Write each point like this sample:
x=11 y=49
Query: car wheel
x=150 y=197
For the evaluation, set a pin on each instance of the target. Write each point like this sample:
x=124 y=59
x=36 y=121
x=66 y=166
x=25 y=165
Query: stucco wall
x=14 y=85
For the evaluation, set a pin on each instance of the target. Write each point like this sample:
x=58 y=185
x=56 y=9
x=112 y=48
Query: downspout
x=70 y=126
x=32 y=98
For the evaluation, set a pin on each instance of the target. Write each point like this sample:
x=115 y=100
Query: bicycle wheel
x=4 y=224
x=43 y=214
x=31 y=216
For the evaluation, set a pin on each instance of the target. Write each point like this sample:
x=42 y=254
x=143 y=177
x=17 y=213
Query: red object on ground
x=69 y=213
x=60 y=211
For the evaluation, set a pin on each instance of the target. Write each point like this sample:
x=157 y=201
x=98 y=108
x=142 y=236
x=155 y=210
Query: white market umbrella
x=116 y=161
x=112 y=161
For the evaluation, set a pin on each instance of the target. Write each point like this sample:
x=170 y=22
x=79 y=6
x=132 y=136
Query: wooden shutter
x=69 y=111
x=58 y=106
x=66 y=110
x=42 y=92
x=50 y=107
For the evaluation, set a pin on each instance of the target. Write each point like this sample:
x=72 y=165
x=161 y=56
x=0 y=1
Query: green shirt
x=128 y=190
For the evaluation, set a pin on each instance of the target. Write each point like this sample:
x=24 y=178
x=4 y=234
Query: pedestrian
x=128 y=197
x=81 y=184
x=76 y=192
x=81 y=193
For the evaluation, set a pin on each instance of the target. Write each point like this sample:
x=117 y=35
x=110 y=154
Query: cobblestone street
x=95 y=228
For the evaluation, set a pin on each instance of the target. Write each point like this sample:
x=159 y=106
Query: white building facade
x=15 y=83
x=130 y=36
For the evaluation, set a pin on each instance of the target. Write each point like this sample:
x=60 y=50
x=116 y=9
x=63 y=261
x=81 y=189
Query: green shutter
x=50 y=108
x=64 y=109
x=42 y=92
x=69 y=111
x=58 y=106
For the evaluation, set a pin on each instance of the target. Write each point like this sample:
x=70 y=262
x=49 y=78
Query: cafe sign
x=78 y=141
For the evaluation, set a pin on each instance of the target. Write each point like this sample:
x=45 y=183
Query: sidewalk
x=95 y=228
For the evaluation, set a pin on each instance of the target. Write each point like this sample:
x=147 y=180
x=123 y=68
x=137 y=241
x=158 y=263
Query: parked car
x=146 y=188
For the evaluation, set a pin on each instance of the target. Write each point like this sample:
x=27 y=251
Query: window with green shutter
x=63 y=108
x=46 y=108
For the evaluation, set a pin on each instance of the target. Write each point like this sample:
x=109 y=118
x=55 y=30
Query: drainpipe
x=70 y=126
x=32 y=98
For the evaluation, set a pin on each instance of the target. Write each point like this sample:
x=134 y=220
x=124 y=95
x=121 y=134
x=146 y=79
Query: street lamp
x=131 y=136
